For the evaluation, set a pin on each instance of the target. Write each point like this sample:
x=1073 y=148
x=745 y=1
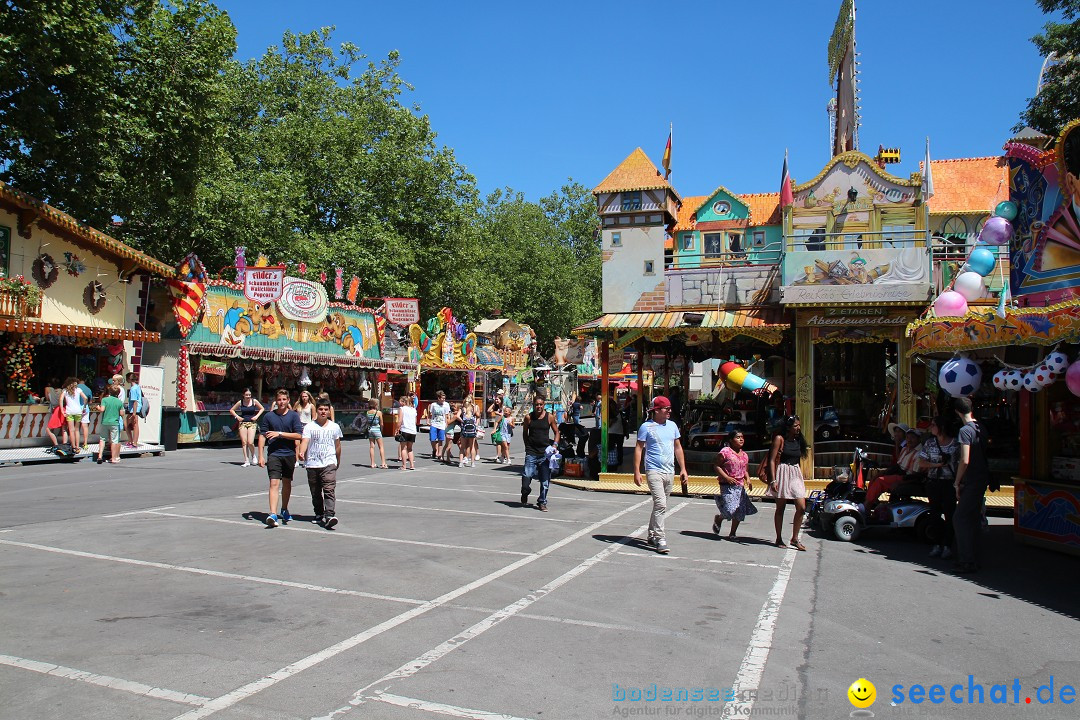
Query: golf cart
x=839 y=510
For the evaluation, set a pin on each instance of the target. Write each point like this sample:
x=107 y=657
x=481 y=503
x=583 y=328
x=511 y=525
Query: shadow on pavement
x=1009 y=568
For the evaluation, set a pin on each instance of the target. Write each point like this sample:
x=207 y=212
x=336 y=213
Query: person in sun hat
x=658 y=441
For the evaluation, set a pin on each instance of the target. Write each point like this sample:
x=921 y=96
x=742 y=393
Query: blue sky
x=530 y=95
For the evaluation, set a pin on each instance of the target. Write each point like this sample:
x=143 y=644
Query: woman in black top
x=247 y=411
x=786 y=480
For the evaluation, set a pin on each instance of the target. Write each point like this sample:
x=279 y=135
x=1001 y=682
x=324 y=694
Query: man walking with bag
x=537 y=423
x=659 y=439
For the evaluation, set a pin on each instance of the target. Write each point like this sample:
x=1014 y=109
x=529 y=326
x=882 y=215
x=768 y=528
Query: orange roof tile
x=968 y=185
x=688 y=211
x=764 y=207
x=636 y=172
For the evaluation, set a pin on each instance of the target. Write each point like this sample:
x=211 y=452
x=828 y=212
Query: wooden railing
x=15 y=305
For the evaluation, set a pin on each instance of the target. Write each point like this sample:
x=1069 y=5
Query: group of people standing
x=70 y=405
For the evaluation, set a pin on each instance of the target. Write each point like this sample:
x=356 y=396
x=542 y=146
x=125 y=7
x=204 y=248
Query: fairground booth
x=463 y=363
x=711 y=296
x=1017 y=358
x=73 y=302
x=270 y=330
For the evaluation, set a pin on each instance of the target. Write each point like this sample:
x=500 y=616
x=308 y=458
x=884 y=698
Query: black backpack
x=363 y=424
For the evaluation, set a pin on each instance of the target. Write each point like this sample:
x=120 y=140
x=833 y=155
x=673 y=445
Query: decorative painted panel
x=856 y=276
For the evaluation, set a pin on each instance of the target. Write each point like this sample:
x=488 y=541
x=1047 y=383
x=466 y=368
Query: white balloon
x=1014 y=380
x=999 y=380
x=970 y=285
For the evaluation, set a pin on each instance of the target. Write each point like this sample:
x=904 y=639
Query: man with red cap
x=659 y=437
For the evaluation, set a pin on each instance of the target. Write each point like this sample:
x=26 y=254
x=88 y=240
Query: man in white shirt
x=320 y=449
x=438 y=412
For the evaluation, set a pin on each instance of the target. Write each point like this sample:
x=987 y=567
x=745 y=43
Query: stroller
x=840 y=509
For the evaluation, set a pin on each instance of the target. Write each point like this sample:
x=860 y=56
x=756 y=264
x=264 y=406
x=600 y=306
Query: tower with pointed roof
x=637 y=206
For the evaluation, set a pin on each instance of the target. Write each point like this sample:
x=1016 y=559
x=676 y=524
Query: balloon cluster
x=968 y=285
x=1035 y=378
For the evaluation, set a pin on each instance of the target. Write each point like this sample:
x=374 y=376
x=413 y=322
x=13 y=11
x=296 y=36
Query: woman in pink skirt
x=786 y=479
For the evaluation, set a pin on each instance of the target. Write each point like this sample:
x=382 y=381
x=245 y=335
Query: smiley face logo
x=862 y=693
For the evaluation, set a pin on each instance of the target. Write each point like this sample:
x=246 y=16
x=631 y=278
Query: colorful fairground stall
x=270 y=330
x=72 y=303
x=463 y=363
x=1029 y=345
x=856 y=270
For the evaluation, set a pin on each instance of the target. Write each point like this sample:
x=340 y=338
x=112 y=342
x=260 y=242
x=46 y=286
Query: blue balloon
x=1006 y=209
x=982 y=261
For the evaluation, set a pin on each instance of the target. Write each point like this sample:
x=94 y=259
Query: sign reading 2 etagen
x=303 y=301
x=264 y=284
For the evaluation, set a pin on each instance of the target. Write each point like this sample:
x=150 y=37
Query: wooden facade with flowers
x=72 y=304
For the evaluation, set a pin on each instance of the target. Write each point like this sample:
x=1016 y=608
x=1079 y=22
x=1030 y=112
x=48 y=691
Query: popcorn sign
x=264 y=284
x=402 y=311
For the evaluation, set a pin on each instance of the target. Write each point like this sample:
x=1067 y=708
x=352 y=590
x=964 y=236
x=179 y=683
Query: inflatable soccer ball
x=999 y=379
x=1058 y=362
x=1014 y=380
x=960 y=377
x=1031 y=384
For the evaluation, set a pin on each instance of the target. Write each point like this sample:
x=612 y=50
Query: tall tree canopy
x=111 y=109
x=545 y=264
x=133 y=116
x=1058 y=101
x=327 y=165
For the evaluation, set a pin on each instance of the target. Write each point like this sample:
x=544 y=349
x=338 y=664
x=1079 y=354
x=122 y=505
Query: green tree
x=545 y=263
x=326 y=165
x=1058 y=100
x=111 y=109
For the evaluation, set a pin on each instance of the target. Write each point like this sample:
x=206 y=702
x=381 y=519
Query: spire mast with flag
x=928 y=175
x=667 y=153
x=787 y=194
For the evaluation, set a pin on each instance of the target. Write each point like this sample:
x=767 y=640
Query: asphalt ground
x=152 y=589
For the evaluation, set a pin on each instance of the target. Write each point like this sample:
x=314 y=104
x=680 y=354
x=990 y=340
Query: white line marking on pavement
x=254 y=494
x=139 y=512
x=211 y=573
x=757 y=652
x=581 y=623
x=440 y=708
x=416 y=665
x=337 y=533
x=747 y=563
x=130 y=686
x=479 y=492
x=516 y=516
x=245 y=691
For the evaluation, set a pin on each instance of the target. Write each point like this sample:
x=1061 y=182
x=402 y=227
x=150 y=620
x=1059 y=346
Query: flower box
x=14 y=304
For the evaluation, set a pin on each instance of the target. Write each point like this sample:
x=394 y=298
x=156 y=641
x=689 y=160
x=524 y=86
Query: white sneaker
x=946 y=552
x=935 y=551
x=461 y=463
x=247 y=463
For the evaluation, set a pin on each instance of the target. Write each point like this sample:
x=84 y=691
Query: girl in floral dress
x=733 y=502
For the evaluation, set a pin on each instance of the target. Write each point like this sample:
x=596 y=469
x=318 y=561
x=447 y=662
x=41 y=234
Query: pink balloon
x=950 y=304
x=1072 y=378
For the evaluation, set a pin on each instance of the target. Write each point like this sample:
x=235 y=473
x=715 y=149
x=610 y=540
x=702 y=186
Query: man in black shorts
x=282 y=427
